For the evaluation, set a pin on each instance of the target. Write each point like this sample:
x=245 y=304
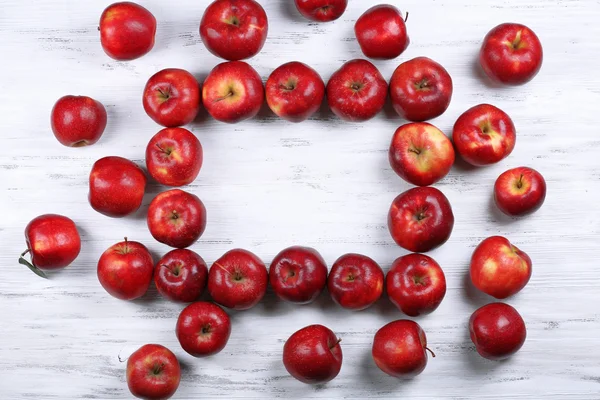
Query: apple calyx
x=31 y=266
x=431 y=351
x=206 y=329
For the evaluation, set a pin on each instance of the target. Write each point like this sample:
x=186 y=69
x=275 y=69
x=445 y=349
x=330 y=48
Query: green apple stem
x=431 y=351
x=29 y=265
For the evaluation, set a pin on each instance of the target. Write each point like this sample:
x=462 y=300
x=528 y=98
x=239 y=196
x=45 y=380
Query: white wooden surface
x=268 y=184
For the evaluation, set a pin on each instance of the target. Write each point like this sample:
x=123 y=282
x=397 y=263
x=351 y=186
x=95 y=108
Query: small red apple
x=313 y=355
x=355 y=281
x=381 y=32
x=298 y=274
x=203 y=329
x=416 y=284
x=78 y=120
x=497 y=330
x=420 y=153
x=180 y=275
x=321 y=10
x=520 y=191
x=238 y=280
x=356 y=91
x=153 y=372
x=127 y=31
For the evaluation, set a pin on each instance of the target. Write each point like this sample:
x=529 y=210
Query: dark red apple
x=355 y=281
x=321 y=10
x=78 y=121
x=520 y=191
x=381 y=32
x=203 y=329
x=180 y=275
x=153 y=372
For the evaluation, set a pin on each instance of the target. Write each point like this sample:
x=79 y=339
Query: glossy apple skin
x=172 y=97
x=519 y=191
x=298 y=274
x=233 y=92
x=355 y=281
x=117 y=187
x=234 y=29
x=400 y=349
x=357 y=91
x=381 y=32
x=321 y=10
x=416 y=284
x=53 y=241
x=421 y=154
x=125 y=270
x=420 y=89
x=497 y=330
x=238 y=280
x=180 y=275
x=203 y=329
x=176 y=218
x=78 y=121
x=174 y=157
x=420 y=219
x=313 y=355
x=153 y=372
x=294 y=91
x=511 y=54
x=127 y=31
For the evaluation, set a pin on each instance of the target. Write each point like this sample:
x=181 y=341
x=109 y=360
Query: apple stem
x=335 y=344
x=406 y=18
x=29 y=265
x=520 y=182
x=163 y=150
x=223 y=268
x=431 y=351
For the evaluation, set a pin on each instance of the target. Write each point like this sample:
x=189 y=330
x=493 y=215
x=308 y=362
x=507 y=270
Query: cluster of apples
x=419 y=219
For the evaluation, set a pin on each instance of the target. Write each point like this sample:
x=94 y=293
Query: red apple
x=174 y=157
x=313 y=355
x=298 y=274
x=203 y=329
x=321 y=10
x=117 y=186
x=421 y=154
x=127 y=31
x=172 y=97
x=125 y=270
x=355 y=281
x=78 y=120
x=153 y=372
x=420 y=89
x=233 y=92
x=180 y=275
x=416 y=284
x=400 y=349
x=294 y=91
x=484 y=135
x=381 y=32
x=421 y=219
x=176 y=218
x=234 y=29
x=238 y=280
x=511 y=54
x=356 y=91
x=520 y=191
x=497 y=330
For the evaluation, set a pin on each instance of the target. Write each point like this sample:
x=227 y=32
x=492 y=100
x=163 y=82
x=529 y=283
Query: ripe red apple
x=420 y=219
x=420 y=89
x=153 y=372
x=313 y=355
x=127 y=31
x=484 y=135
x=174 y=157
x=420 y=153
x=233 y=92
x=78 y=120
x=117 y=186
x=381 y=32
x=321 y=10
x=497 y=330
x=355 y=281
x=400 y=349
x=125 y=270
x=172 y=97
x=298 y=274
x=511 y=54
x=234 y=29
x=203 y=329
x=356 y=91
x=294 y=91
x=520 y=191
x=176 y=218
x=53 y=242
x=238 y=280
x=180 y=275
x=416 y=284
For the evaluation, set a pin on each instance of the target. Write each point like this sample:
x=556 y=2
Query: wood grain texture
x=268 y=184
